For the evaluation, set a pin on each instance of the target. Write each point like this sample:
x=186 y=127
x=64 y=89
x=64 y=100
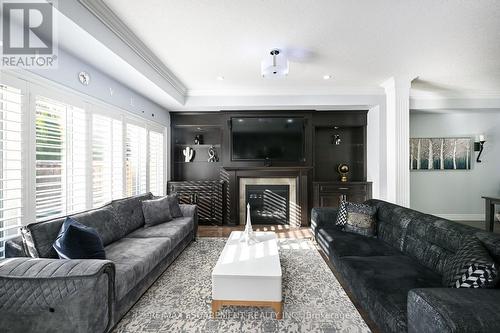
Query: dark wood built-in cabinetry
x=329 y=194
x=215 y=186
x=208 y=195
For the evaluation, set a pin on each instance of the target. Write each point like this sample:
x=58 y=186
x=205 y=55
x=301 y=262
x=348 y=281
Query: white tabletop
x=238 y=259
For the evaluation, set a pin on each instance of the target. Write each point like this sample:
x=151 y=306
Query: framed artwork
x=441 y=153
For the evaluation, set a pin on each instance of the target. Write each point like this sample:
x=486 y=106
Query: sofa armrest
x=453 y=310
x=321 y=216
x=191 y=211
x=56 y=295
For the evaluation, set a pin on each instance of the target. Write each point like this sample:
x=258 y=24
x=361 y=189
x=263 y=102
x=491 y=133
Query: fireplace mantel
x=297 y=177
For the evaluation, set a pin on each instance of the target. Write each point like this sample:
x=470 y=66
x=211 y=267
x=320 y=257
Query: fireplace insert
x=269 y=204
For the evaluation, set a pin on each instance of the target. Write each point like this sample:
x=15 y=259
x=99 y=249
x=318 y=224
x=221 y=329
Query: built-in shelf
x=195 y=146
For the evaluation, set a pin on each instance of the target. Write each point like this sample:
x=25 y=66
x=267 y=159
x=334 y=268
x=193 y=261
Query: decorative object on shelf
x=336 y=137
x=276 y=66
x=343 y=170
x=440 y=153
x=198 y=139
x=248 y=235
x=478 y=146
x=84 y=78
x=188 y=153
x=212 y=157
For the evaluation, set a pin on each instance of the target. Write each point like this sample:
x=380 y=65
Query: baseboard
x=462 y=217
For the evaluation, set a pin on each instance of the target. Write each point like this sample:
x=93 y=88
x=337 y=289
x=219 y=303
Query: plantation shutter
x=11 y=182
x=107 y=159
x=135 y=159
x=60 y=158
x=156 y=162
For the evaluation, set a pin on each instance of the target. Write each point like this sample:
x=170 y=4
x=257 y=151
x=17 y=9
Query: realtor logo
x=28 y=34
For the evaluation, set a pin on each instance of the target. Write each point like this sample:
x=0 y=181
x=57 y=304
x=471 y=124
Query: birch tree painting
x=440 y=153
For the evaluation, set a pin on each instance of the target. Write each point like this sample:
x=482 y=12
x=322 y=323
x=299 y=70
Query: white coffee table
x=248 y=275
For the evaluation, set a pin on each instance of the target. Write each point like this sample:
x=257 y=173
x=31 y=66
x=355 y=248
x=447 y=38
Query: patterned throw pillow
x=341 y=215
x=470 y=267
x=360 y=219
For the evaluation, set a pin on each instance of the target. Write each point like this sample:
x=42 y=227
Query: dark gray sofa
x=396 y=277
x=47 y=294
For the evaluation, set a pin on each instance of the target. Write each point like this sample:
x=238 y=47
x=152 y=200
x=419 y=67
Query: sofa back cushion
x=392 y=222
x=40 y=237
x=128 y=213
x=432 y=240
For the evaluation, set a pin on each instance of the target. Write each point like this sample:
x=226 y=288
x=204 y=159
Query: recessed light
x=220 y=78
x=327 y=77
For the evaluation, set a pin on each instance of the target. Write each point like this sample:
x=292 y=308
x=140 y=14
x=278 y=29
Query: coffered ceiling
x=451 y=45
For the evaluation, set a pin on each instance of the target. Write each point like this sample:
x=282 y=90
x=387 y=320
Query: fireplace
x=273 y=200
x=269 y=204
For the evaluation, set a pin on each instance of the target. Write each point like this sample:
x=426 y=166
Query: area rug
x=180 y=300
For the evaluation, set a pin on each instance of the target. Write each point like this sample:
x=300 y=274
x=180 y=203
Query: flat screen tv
x=273 y=138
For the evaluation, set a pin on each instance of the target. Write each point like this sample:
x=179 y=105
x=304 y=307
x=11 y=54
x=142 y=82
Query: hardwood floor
x=280 y=230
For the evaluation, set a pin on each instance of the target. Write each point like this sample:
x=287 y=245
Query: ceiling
x=451 y=45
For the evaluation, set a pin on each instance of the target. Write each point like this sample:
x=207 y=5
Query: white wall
x=456 y=194
x=67 y=75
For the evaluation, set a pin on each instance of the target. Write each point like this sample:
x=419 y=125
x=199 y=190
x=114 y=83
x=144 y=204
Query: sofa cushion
x=175 y=230
x=156 y=211
x=381 y=285
x=39 y=237
x=392 y=222
x=175 y=209
x=431 y=240
x=78 y=241
x=360 y=219
x=470 y=267
x=134 y=258
x=128 y=213
x=341 y=244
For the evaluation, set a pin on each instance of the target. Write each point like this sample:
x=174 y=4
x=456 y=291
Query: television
x=267 y=138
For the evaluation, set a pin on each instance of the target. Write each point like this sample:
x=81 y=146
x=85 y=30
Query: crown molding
x=100 y=10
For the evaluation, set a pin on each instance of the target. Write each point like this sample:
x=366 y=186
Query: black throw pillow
x=357 y=218
x=78 y=241
x=470 y=267
x=175 y=209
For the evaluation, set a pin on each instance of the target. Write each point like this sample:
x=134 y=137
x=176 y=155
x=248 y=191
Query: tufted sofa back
x=427 y=238
x=113 y=221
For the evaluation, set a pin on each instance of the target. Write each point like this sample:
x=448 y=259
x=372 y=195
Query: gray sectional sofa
x=396 y=276
x=41 y=293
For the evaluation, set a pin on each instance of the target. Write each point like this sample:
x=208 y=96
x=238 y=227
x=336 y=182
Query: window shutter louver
x=11 y=178
x=60 y=158
x=135 y=160
x=107 y=159
x=156 y=163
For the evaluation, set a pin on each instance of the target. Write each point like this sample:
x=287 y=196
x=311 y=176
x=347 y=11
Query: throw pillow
x=341 y=215
x=175 y=209
x=78 y=241
x=156 y=211
x=470 y=267
x=360 y=219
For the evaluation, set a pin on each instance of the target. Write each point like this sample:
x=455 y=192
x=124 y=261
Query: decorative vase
x=188 y=153
x=248 y=236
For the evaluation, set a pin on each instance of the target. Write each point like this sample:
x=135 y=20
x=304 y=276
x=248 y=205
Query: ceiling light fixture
x=276 y=66
x=220 y=78
x=327 y=77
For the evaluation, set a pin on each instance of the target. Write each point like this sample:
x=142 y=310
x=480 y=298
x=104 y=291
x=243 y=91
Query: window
x=11 y=183
x=60 y=154
x=107 y=159
x=156 y=152
x=60 y=158
x=135 y=160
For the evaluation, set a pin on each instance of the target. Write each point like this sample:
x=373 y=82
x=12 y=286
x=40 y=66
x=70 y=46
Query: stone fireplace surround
x=291 y=182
